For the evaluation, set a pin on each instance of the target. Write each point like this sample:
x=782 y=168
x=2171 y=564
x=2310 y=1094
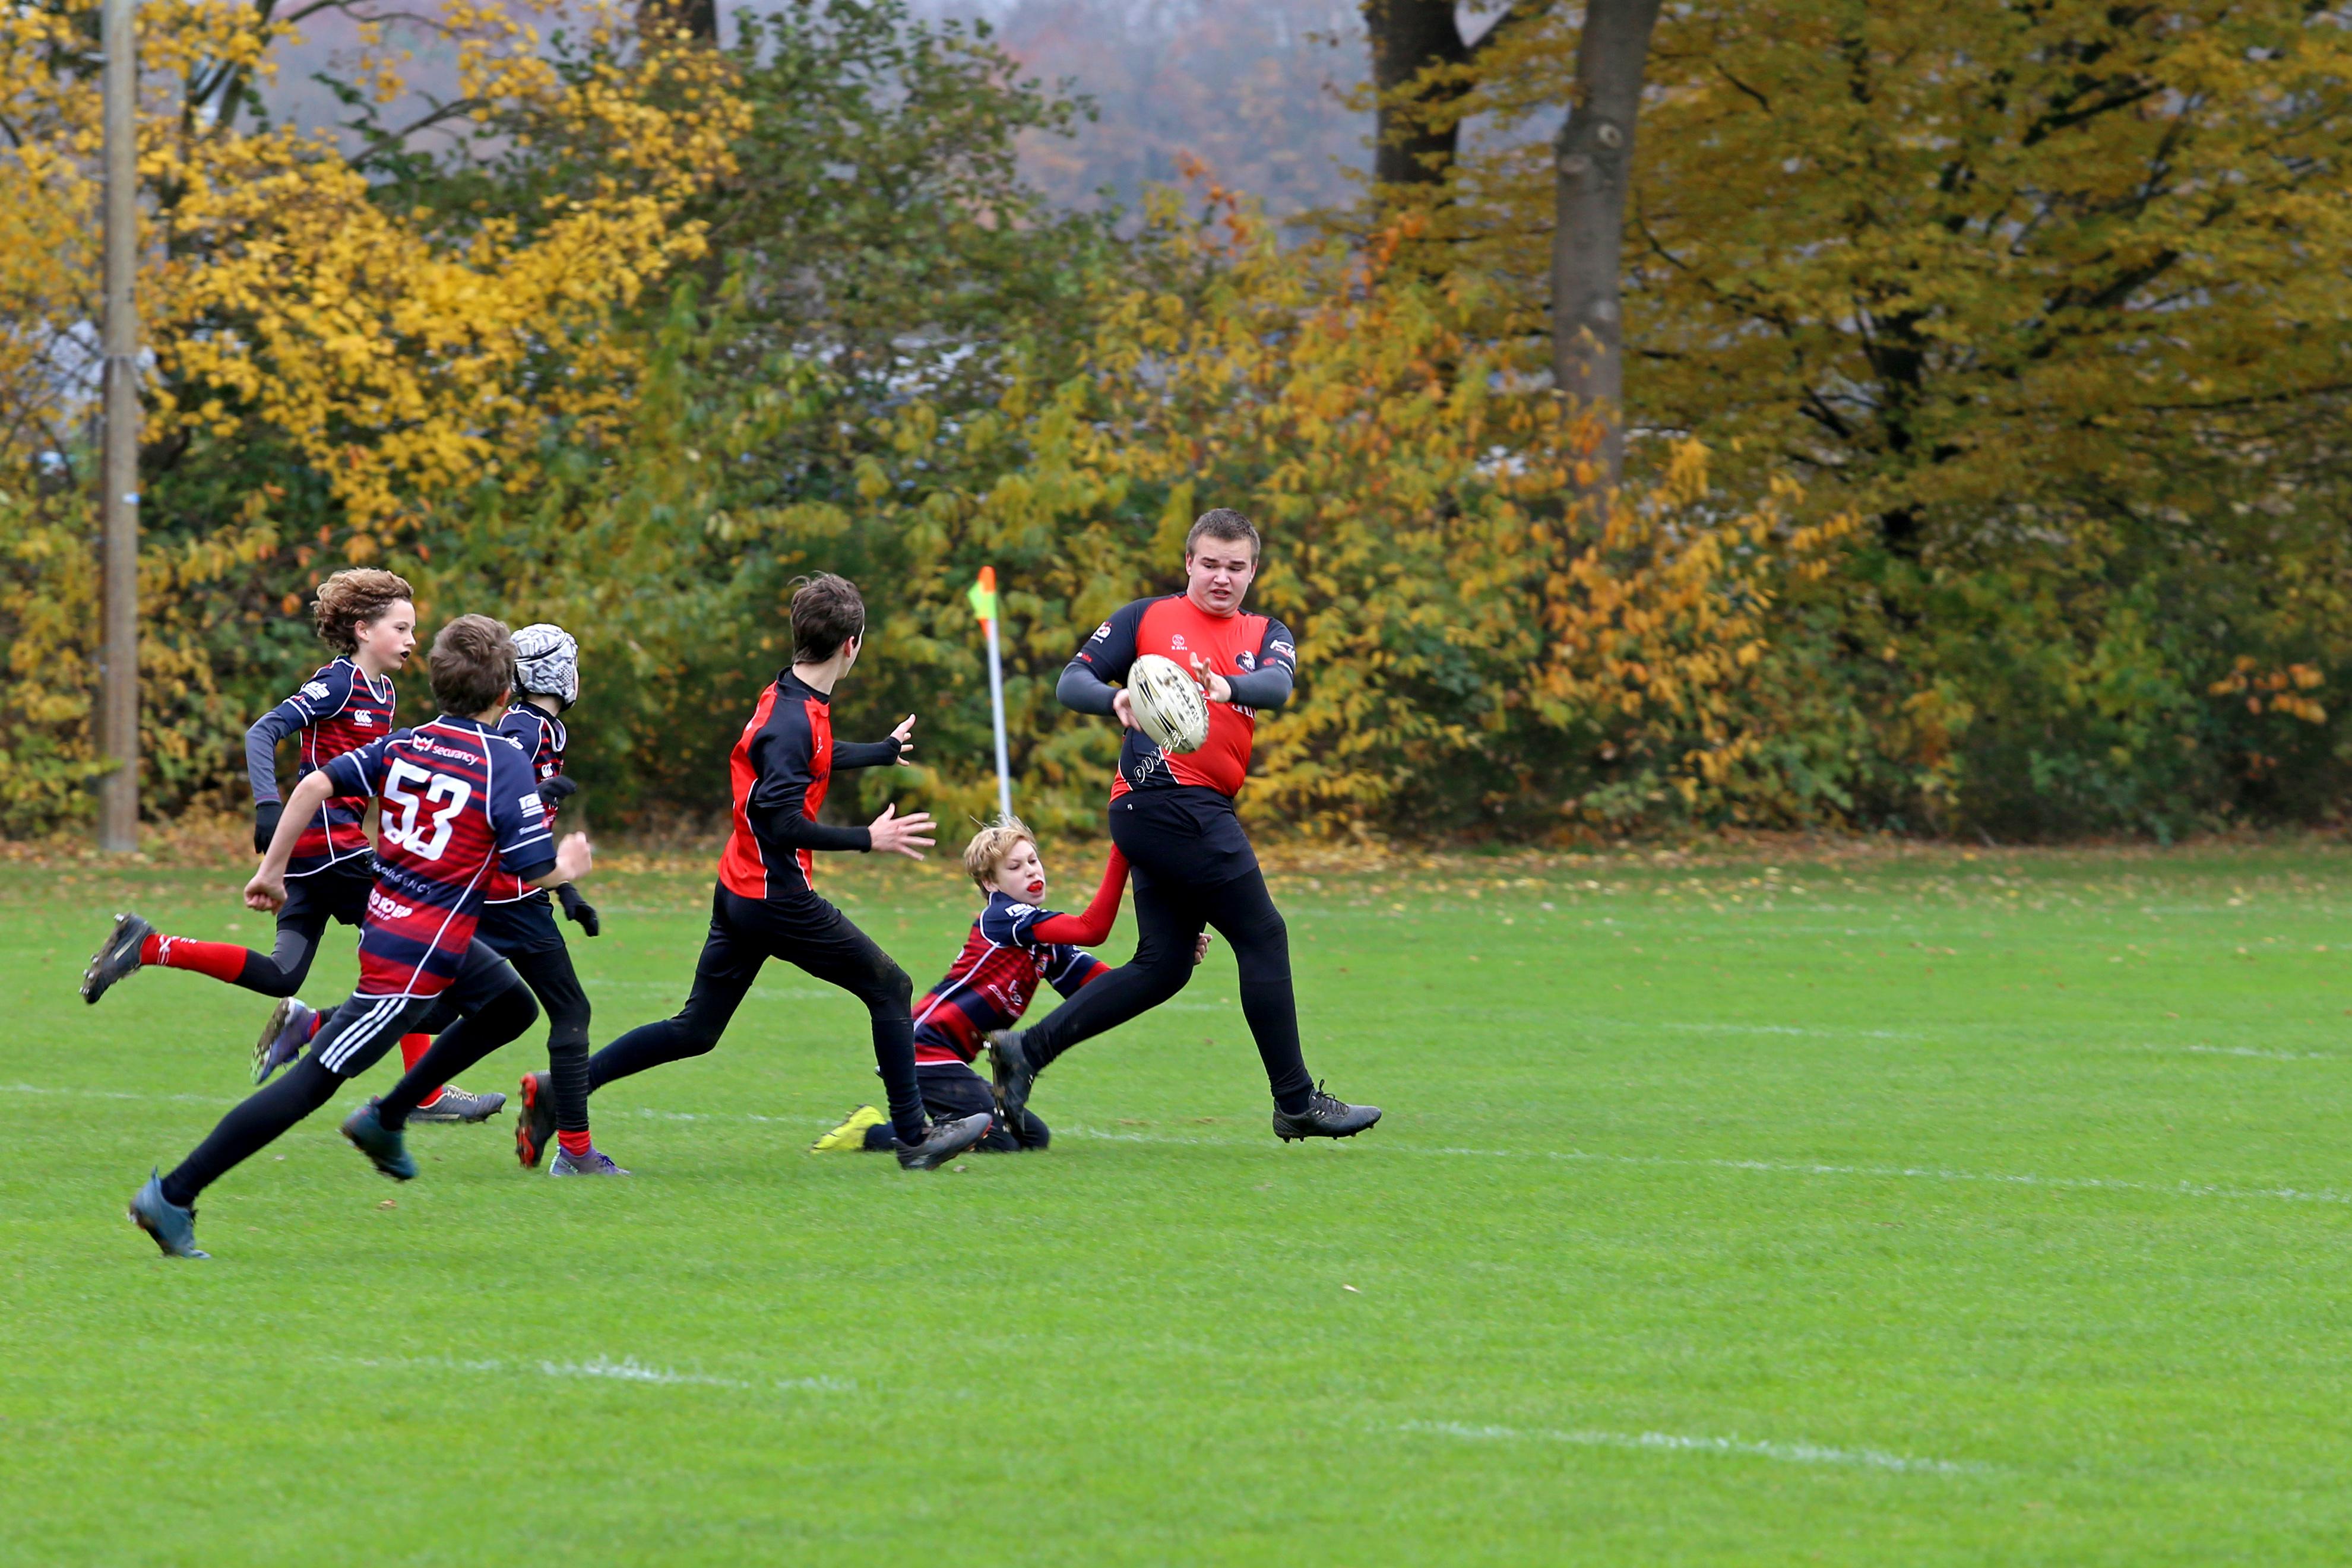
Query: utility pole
x=118 y=811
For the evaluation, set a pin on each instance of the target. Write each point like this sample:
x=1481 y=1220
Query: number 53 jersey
x=459 y=800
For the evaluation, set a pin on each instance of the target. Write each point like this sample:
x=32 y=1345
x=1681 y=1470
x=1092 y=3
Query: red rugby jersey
x=1176 y=628
x=779 y=772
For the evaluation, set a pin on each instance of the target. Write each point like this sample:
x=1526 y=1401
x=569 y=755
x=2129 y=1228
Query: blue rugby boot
x=594 y=1162
x=282 y=1038
x=172 y=1228
x=382 y=1145
x=944 y=1141
x=1325 y=1116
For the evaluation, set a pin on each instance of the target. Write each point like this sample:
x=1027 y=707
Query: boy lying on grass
x=1014 y=947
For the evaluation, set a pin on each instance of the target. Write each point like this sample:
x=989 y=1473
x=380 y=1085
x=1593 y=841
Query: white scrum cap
x=547 y=662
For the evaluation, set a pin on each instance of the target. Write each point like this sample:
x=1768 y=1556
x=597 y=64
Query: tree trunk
x=1594 y=160
x=697 y=19
x=1409 y=37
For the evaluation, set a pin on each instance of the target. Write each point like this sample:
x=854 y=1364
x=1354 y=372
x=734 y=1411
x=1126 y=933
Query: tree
x=1594 y=155
x=1422 y=68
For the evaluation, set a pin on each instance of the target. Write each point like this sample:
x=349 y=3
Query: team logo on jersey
x=1177 y=641
x=1246 y=660
x=529 y=802
x=362 y=717
x=1101 y=631
x=1018 y=910
x=315 y=690
x=1283 y=651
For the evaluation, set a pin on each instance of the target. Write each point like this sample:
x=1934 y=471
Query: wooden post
x=118 y=817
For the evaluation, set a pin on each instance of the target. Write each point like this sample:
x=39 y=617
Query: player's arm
x=352 y=773
x=1093 y=925
x=293 y=715
x=784 y=755
x=895 y=751
x=1086 y=684
x=1268 y=686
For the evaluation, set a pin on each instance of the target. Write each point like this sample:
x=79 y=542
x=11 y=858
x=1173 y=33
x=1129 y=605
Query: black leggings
x=495 y=1010
x=745 y=933
x=311 y=902
x=1170 y=918
x=548 y=975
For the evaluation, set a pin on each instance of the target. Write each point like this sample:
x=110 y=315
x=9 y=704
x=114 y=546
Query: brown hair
x=355 y=598
x=993 y=846
x=826 y=613
x=1223 y=523
x=472 y=665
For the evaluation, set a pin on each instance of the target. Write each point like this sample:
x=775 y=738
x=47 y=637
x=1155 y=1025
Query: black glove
x=265 y=824
x=558 y=788
x=578 y=908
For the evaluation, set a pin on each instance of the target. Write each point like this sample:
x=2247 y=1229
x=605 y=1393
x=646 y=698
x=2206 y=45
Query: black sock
x=250 y=1127
x=457 y=1047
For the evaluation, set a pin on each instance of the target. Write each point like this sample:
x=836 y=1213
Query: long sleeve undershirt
x=1085 y=692
x=261 y=752
x=1082 y=690
x=796 y=831
x=1093 y=925
x=1265 y=690
x=865 y=754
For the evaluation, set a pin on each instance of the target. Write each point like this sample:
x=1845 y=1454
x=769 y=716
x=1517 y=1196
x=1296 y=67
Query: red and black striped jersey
x=542 y=737
x=1176 y=628
x=336 y=711
x=994 y=979
x=458 y=802
x=778 y=774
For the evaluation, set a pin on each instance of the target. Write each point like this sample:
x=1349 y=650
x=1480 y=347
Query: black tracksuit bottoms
x=1194 y=869
x=804 y=930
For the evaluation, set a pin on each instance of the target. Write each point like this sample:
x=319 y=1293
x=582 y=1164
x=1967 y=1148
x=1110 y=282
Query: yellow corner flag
x=984 y=594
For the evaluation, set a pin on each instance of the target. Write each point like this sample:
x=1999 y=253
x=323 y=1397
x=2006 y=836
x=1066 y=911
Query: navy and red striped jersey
x=995 y=979
x=336 y=711
x=542 y=737
x=458 y=803
x=1176 y=628
x=779 y=772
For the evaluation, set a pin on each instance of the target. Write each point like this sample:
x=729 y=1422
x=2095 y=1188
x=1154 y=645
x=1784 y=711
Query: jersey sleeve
x=784 y=753
x=360 y=772
x=1093 y=925
x=1067 y=968
x=1110 y=654
x=322 y=695
x=881 y=753
x=518 y=816
x=1012 y=924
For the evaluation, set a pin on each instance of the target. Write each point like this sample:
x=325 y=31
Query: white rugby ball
x=1168 y=703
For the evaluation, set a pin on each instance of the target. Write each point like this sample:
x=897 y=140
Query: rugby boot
x=1325 y=1116
x=1014 y=1070
x=944 y=1142
x=851 y=1134
x=384 y=1146
x=173 y=1228
x=282 y=1038
x=535 y=1128
x=595 y=1162
x=118 y=956
x=456 y=1106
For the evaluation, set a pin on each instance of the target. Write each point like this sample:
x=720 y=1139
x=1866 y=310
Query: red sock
x=575 y=1143
x=412 y=1047
x=221 y=960
x=317 y=1022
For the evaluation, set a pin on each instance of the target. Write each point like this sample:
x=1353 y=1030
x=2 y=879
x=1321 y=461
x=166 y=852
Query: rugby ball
x=1168 y=704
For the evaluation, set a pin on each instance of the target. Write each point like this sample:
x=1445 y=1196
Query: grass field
x=1938 y=1208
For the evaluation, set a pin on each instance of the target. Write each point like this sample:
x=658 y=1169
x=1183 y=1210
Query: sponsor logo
x=1176 y=641
x=530 y=802
x=387 y=908
x=1101 y=632
x=1246 y=660
x=362 y=717
x=315 y=690
x=1282 y=650
x=1018 y=910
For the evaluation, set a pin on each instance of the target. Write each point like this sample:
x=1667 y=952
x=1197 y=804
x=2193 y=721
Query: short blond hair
x=993 y=846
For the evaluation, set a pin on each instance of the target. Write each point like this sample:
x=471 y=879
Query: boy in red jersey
x=1173 y=816
x=1015 y=947
x=458 y=802
x=366 y=616
x=766 y=903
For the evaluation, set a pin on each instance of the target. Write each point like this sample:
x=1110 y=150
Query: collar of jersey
x=462 y=722
x=786 y=679
x=365 y=679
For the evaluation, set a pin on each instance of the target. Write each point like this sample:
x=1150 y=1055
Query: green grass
x=1935 y=1210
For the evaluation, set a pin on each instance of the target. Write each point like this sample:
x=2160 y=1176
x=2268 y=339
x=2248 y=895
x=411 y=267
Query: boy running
x=766 y=903
x=366 y=616
x=517 y=924
x=458 y=803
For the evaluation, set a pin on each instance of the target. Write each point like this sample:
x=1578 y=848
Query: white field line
x=628 y=1369
x=2244 y=1051
x=1830 y=1033
x=1789 y=1453
x=1789 y=1167
x=1772 y=1168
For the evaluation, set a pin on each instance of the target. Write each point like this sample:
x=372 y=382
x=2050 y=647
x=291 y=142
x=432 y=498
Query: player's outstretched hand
x=558 y=788
x=1218 y=688
x=1200 y=949
x=573 y=858
x=904 y=736
x=265 y=825
x=266 y=891
x=908 y=835
x=1122 y=709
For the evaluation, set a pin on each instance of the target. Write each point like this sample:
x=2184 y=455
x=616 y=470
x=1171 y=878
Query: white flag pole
x=997 y=700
